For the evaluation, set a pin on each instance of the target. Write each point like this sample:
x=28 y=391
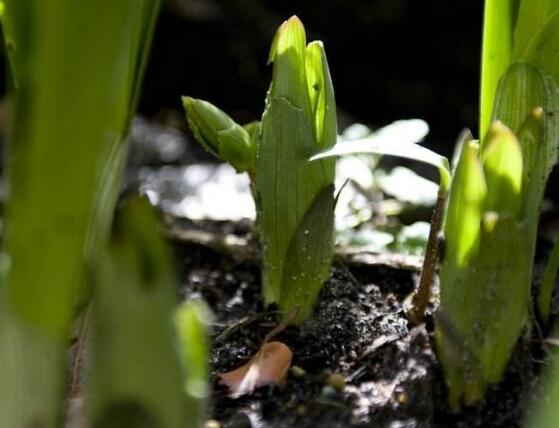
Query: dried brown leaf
x=268 y=366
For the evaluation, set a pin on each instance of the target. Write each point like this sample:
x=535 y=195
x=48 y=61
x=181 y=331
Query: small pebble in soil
x=301 y=410
x=212 y=423
x=329 y=392
x=336 y=381
x=298 y=372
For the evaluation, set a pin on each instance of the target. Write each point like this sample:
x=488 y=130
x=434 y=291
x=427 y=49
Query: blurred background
x=389 y=59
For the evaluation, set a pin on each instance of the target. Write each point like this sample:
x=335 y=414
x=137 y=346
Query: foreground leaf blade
x=498 y=29
x=134 y=292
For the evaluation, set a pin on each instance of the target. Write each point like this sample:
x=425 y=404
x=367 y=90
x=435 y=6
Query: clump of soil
x=358 y=362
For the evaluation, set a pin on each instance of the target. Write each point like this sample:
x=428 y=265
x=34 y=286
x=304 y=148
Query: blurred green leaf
x=193 y=321
x=546 y=412
x=548 y=285
x=135 y=362
x=77 y=67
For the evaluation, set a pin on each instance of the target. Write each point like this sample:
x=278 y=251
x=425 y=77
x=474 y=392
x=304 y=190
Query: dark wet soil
x=359 y=331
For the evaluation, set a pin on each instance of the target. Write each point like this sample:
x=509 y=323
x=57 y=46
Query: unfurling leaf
x=219 y=134
x=300 y=119
x=268 y=366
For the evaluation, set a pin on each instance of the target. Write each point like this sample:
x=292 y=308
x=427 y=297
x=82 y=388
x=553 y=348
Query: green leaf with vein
x=307 y=265
x=490 y=249
x=386 y=142
x=299 y=119
x=526 y=102
x=287 y=185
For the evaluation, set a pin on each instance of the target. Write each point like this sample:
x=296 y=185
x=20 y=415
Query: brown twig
x=283 y=324
x=423 y=294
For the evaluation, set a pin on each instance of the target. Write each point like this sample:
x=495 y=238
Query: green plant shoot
x=491 y=228
x=496 y=196
x=294 y=197
x=137 y=379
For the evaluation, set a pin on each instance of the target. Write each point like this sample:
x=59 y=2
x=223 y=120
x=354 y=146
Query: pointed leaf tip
x=290 y=34
x=295 y=23
x=501 y=156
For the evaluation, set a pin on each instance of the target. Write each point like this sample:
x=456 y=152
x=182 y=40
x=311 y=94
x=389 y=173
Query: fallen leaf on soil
x=268 y=366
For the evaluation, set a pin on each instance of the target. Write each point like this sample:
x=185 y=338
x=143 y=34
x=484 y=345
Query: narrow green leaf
x=387 y=143
x=321 y=93
x=193 y=321
x=309 y=256
x=465 y=209
x=498 y=28
x=135 y=292
x=139 y=53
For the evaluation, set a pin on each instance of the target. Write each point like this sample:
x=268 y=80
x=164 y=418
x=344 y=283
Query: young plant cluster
x=294 y=198
x=495 y=200
x=63 y=194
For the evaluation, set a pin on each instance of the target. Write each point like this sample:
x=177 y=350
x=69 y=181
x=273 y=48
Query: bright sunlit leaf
x=498 y=33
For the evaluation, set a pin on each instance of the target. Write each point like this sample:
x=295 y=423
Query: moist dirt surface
x=358 y=362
